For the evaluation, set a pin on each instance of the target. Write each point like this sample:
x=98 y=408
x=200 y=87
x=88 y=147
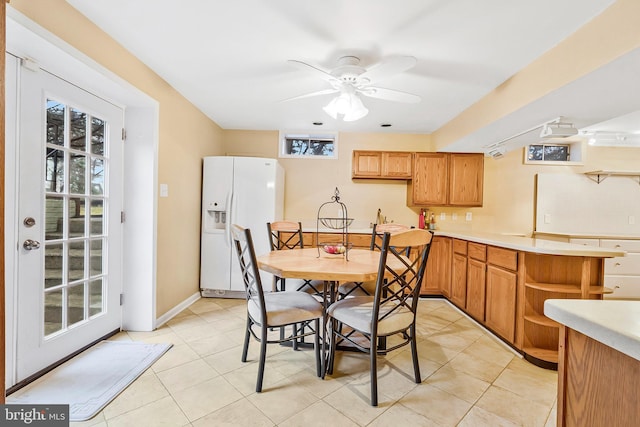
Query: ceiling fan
x=349 y=79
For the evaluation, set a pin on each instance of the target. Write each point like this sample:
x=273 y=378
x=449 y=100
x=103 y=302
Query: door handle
x=31 y=244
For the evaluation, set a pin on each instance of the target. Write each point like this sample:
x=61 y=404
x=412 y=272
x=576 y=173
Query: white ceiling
x=229 y=58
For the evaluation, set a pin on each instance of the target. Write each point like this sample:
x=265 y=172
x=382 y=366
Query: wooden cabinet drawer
x=505 y=258
x=629 y=264
x=586 y=242
x=459 y=246
x=477 y=251
x=625 y=245
x=623 y=287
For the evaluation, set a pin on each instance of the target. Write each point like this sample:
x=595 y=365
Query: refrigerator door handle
x=227 y=223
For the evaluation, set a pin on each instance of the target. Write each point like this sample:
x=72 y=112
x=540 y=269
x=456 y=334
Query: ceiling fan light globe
x=338 y=105
x=354 y=115
x=356 y=111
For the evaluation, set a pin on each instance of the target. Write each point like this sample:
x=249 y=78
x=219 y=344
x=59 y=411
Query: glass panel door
x=70 y=199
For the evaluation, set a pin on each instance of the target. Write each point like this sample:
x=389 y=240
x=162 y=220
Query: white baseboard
x=177 y=309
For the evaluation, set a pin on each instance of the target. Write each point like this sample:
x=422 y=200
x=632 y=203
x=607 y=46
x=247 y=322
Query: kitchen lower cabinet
x=622 y=274
x=500 y=315
x=437 y=277
x=476 y=279
x=589 y=370
x=459 y=274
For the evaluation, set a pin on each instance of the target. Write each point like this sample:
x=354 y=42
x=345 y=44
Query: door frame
x=26 y=39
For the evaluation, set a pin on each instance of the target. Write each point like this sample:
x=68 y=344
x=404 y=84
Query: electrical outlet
x=443 y=216
x=468 y=216
x=454 y=216
x=547 y=218
x=632 y=219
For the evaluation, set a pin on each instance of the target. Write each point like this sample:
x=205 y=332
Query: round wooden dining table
x=358 y=265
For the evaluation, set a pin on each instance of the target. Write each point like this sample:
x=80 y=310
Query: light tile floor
x=468 y=379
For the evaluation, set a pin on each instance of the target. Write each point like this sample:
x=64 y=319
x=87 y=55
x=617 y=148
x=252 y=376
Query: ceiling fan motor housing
x=348 y=69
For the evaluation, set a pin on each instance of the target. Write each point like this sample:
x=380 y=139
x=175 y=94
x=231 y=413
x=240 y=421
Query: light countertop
x=590 y=235
x=518 y=243
x=533 y=245
x=613 y=323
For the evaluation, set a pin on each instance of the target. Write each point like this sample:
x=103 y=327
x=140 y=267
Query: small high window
x=548 y=153
x=308 y=146
x=571 y=153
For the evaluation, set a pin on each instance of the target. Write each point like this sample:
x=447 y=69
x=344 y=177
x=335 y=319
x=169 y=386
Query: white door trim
x=26 y=39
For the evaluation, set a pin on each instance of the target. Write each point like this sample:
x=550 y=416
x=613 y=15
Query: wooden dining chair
x=297 y=310
x=390 y=311
x=367 y=288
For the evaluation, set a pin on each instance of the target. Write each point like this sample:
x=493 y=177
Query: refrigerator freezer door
x=216 y=260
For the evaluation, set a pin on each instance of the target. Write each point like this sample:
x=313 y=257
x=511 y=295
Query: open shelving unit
x=554 y=277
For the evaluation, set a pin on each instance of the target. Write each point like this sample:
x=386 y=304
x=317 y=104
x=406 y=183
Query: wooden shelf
x=565 y=288
x=600 y=175
x=562 y=288
x=539 y=319
x=542 y=354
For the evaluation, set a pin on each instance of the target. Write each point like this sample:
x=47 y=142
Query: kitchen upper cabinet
x=430 y=182
x=437 y=277
x=466 y=172
x=382 y=164
x=446 y=179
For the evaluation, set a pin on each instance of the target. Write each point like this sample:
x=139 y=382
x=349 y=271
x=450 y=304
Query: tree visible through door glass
x=74 y=216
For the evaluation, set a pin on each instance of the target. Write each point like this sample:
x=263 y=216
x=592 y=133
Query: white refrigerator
x=247 y=191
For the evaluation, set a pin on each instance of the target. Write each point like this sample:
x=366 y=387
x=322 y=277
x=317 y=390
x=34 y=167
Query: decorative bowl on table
x=333 y=248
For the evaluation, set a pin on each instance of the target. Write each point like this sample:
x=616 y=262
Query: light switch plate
x=468 y=216
x=443 y=216
x=547 y=218
x=164 y=190
x=632 y=219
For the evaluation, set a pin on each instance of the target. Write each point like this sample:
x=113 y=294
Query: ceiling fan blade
x=389 y=94
x=387 y=68
x=308 y=95
x=313 y=70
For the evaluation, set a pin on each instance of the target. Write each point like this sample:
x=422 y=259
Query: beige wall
x=311 y=182
x=509 y=184
x=185 y=136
